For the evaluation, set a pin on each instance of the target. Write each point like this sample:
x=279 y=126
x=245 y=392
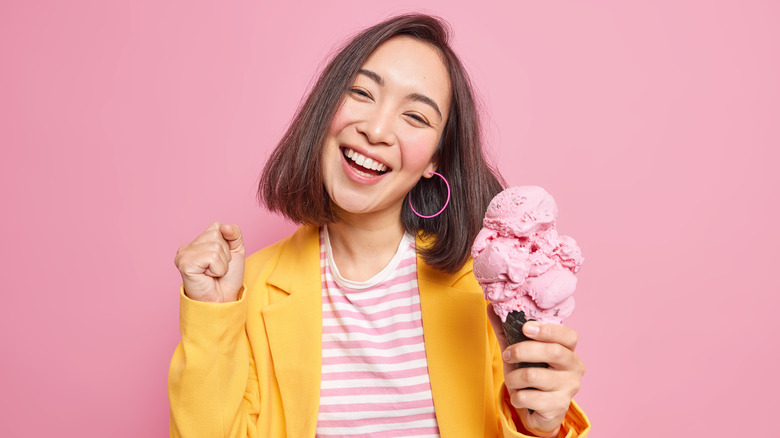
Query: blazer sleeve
x=212 y=380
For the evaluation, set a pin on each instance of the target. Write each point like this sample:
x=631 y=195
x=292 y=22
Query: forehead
x=412 y=66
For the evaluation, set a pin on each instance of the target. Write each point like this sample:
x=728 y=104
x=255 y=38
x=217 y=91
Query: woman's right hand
x=212 y=265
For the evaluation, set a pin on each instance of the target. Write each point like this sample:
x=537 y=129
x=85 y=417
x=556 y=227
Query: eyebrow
x=417 y=97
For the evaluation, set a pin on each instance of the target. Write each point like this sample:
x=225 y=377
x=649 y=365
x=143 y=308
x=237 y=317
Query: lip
x=353 y=175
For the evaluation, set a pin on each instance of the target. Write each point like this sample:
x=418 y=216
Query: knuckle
x=575 y=337
x=210 y=229
x=554 y=352
x=520 y=398
x=575 y=388
x=181 y=254
x=531 y=374
x=563 y=404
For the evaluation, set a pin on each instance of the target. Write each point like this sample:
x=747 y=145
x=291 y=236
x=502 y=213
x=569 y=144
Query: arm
x=547 y=404
x=574 y=423
x=212 y=381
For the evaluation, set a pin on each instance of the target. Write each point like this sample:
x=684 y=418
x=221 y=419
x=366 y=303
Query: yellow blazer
x=251 y=368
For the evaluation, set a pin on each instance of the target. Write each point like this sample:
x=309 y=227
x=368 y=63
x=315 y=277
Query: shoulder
x=304 y=239
x=462 y=279
x=257 y=260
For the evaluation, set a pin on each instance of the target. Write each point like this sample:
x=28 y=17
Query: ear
x=431 y=167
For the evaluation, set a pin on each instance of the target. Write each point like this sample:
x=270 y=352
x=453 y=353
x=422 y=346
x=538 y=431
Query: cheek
x=340 y=119
x=419 y=149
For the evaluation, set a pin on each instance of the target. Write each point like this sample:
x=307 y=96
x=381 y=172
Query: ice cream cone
x=513 y=329
x=525 y=267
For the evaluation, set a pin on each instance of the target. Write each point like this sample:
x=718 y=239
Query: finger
x=212 y=238
x=202 y=258
x=548 y=403
x=218 y=246
x=555 y=355
x=210 y=233
x=211 y=229
x=559 y=334
x=542 y=423
x=218 y=264
x=232 y=235
x=533 y=377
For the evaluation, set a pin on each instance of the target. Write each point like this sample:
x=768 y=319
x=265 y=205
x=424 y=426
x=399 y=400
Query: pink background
x=128 y=127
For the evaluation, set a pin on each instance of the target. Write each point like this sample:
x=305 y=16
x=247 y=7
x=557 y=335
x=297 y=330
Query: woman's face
x=386 y=130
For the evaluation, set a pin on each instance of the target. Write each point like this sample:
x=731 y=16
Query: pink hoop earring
x=445 y=202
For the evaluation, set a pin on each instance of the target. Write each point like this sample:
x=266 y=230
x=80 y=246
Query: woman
x=367 y=321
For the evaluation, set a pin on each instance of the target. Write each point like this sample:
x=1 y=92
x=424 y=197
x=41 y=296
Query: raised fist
x=212 y=265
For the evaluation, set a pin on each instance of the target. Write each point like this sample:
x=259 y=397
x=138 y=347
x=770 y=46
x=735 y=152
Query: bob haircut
x=291 y=182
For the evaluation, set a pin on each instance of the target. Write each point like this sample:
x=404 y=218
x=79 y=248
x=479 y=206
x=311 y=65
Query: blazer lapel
x=454 y=326
x=294 y=327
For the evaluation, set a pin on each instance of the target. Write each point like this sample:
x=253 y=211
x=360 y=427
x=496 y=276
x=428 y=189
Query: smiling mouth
x=363 y=165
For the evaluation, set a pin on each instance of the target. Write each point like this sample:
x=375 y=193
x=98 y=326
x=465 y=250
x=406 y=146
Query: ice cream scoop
x=526 y=269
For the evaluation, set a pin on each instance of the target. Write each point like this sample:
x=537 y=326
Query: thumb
x=535 y=423
x=232 y=234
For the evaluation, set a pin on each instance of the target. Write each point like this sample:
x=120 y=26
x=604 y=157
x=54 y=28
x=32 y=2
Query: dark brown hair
x=291 y=183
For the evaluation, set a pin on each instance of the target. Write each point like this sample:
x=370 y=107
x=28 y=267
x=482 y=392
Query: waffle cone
x=513 y=329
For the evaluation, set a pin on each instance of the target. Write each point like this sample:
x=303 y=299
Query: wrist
x=214 y=298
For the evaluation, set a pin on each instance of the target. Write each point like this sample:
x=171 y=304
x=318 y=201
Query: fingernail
x=531 y=329
x=507 y=355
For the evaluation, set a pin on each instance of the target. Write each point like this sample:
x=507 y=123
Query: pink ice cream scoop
x=521 y=261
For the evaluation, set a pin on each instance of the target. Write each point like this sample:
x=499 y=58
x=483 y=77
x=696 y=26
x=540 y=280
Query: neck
x=363 y=244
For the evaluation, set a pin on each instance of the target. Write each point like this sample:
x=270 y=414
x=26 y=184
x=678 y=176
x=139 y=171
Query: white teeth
x=360 y=172
x=362 y=160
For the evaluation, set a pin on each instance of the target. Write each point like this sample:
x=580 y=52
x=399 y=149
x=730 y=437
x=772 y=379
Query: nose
x=378 y=127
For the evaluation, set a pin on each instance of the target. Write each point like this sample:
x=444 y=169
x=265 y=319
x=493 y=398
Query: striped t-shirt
x=374 y=371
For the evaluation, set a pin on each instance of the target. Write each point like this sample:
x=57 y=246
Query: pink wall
x=127 y=127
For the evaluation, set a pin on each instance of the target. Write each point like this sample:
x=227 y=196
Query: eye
x=360 y=92
x=419 y=118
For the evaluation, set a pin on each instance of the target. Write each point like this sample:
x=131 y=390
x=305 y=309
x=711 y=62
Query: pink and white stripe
x=374 y=370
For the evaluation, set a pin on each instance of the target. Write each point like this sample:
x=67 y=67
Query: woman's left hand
x=541 y=395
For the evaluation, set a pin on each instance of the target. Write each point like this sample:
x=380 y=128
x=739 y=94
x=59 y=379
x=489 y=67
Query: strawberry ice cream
x=521 y=261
